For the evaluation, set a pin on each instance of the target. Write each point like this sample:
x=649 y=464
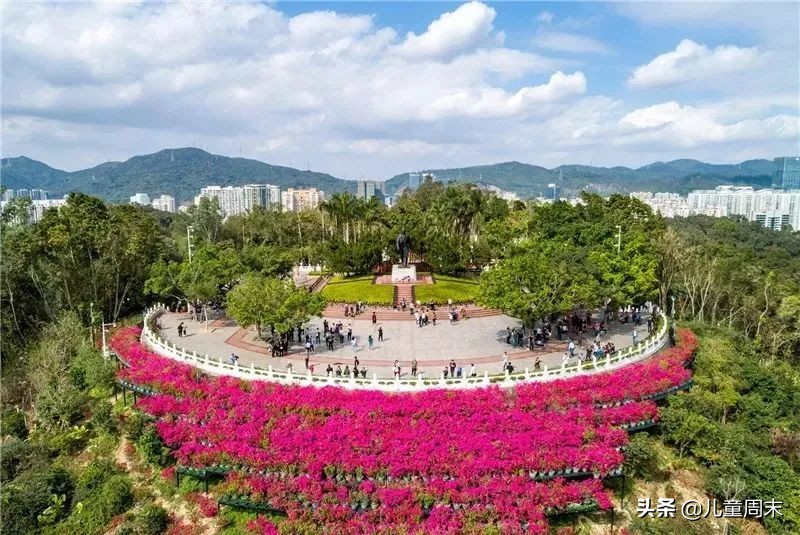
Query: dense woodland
x=74 y=459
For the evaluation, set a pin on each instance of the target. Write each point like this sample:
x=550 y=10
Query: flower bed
x=438 y=461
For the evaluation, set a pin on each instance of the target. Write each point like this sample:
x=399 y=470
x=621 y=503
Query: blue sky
x=374 y=89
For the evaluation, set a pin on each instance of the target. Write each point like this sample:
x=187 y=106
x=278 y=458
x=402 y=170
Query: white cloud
x=569 y=42
x=453 y=33
x=494 y=102
x=84 y=83
x=691 y=61
x=545 y=17
x=690 y=126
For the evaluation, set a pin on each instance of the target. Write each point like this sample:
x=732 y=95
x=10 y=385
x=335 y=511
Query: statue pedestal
x=402 y=274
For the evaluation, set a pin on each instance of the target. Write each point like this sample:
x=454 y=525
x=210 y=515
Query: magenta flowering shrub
x=438 y=461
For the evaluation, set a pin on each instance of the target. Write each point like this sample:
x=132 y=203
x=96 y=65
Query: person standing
x=181 y=330
x=473 y=371
x=369 y=341
x=571 y=348
x=413 y=367
x=354 y=343
x=634 y=335
x=307 y=357
x=505 y=360
x=452 y=367
x=380 y=334
x=374 y=318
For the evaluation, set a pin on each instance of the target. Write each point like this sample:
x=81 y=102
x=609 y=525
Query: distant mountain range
x=177 y=172
x=182 y=172
x=679 y=176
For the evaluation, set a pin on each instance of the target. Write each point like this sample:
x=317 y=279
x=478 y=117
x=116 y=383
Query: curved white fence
x=217 y=366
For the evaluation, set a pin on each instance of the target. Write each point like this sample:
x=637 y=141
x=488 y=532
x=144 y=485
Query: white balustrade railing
x=217 y=366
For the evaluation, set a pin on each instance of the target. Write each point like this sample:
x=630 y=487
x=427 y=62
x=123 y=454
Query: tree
x=539 y=283
x=247 y=302
x=261 y=301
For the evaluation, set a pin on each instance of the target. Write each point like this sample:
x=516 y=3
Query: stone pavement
x=476 y=340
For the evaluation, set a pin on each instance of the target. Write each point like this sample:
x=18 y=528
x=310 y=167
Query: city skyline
x=549 y=83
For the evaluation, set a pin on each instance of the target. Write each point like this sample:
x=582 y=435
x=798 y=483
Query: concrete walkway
x=476 y=340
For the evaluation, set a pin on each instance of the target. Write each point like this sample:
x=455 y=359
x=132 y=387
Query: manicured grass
x=354 y=289
x=460 y=290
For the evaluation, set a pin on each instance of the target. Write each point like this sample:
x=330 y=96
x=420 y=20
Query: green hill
x=25 y=173
x=177 y=172
x=678 y=176
x=182 y=172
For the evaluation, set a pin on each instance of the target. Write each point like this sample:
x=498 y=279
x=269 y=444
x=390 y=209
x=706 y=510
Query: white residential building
x=297 y=200
x=770 y=207
x=234 y=200
x=165 y=203
x=38 y=207
x=140 y=198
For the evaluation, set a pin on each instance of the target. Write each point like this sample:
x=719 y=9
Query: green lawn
x=460 y=290
x=354 y=289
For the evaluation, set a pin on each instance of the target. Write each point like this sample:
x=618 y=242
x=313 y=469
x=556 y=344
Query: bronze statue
x=403 y=244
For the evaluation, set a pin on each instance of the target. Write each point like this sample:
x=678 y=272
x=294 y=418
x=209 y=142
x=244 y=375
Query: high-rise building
x=787 y=173
x=140 y=198
x=297 y=200
x=165 y=203
x=234 y=200
x=366 y=189
x=264 y=195
x=773 y=208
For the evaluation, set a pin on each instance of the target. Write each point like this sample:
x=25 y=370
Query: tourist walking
x=369 y=341
x=374 y=318
x=452 y=368
x=571 y=348
x=181 y=330
x=505 y=360
x=380 y=334
x=354 y=343
x=634 y=335
x=473 y=371
x=413 y=367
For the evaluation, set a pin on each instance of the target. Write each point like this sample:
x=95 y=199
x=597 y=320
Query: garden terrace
x=366 y=461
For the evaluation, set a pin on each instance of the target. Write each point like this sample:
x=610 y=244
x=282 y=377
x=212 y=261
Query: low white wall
x=218 y=366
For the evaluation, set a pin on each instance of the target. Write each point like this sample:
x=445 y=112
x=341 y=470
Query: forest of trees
x=736 y=283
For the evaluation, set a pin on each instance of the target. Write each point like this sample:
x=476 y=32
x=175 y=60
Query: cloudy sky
x=375 y=89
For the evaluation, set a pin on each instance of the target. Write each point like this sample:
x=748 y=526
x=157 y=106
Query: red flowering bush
x=207 y=505
x=366 y=461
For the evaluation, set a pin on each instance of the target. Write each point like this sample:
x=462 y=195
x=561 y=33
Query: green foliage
x=59 y=405
x=13 y=423
x=135 y=425
x=30 y=495
x=152 y=447
x=536 y=285
x=91 y=516
x=151 y=519
x=103 y=418
x=17 y=456
x=92 y=478
x=642 y=457
x=70 y=441
x=354 y=289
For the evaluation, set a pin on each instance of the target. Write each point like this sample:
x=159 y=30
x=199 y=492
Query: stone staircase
x=403 y=291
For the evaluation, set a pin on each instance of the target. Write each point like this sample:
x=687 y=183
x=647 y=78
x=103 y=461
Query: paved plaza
x=481 y=341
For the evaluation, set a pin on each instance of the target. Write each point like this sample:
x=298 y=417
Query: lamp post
x=189 y=230
x=619 y=238
x=103 y=329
